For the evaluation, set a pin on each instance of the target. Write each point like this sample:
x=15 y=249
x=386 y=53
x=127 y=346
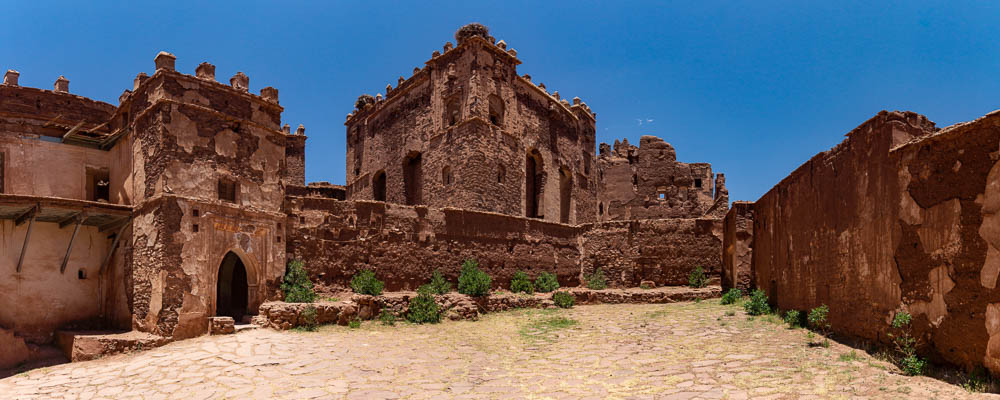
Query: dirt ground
x=675 y=351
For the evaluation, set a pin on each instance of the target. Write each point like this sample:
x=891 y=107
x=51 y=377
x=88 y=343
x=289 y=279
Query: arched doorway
x=232 y=291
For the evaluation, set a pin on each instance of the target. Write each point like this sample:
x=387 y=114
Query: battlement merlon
x=202 y=90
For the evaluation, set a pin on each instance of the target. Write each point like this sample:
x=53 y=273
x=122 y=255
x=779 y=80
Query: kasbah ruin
x=174 y=216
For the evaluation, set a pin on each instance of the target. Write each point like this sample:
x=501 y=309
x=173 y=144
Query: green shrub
x=365 y=282
x=438 y=284
x=546 y=282
x=697 y=279
x=757 y=305
x=596 y=280
x=645 y=286
x=906 y=345
x=563 y=299
x=423 y=309
x=732 y=296
x=387 y=317
x=817 y=320
x=309 y=315
x=354 y=324
x=521 y=283
x=473 y=281
x=296 y=286
x=792 y=318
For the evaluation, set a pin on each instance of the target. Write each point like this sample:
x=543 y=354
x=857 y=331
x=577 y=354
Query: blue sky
x=755 y=88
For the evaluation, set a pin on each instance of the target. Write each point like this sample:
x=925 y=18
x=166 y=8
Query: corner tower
x=466 y=131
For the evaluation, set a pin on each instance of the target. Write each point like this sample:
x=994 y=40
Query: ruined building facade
x=187 y=199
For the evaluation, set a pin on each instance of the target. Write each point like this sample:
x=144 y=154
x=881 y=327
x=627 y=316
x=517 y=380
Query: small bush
x=912 y=365
x=473 y=281
x=546 y=282
x=757 y=305
x=732 y=296
x=817 y=320
x=387 y=318
x=596 y=280
x=906 y=345
x=296 y=286
x=697 y=279
x=792 y=318
x=363 y=101
x=645 y=286
x=848 y=357
x=309 y=315
x=423 y=309
x=354 y=324
x=365 y=282
x=563 y=299
x=521 y=283
x=438 y=284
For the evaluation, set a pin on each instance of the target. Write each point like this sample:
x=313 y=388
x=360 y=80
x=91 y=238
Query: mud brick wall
x=474 y=122
x=898 y=216
x=664 y=251
x=737 y=246
x=648 y=182
x=405 y=244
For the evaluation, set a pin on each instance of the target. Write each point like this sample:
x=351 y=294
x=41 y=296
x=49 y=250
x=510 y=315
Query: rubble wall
x=898 y=216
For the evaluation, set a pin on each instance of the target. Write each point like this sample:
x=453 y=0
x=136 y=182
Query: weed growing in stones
x=541 y=328
x=365 y=282
x=697 y=278
x=473 y=281
x=546 y=282
x=757 y=305
x=308 y=316
x=731 y=296
x=296 y=286
x=978 y=381
x=596 y=280
x=563 y=299
x=851 y=356
x=354 y=324
x=387 y=318
x=521 y=283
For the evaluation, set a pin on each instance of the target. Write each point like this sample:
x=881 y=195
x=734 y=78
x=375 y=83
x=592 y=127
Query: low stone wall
x=405 y=244
x=456 y=306
x=84 y=346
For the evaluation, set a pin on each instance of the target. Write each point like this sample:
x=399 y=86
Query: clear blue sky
x=755 y=88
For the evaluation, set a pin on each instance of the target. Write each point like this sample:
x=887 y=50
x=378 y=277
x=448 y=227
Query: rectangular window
x=697 y=183
x=227 y=190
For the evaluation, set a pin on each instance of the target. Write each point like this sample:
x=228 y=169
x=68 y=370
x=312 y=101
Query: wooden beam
x=27 y=214
x=27 y=236
x=72 y=130
x=79 y=221
x=77 y=216
x=114 y=244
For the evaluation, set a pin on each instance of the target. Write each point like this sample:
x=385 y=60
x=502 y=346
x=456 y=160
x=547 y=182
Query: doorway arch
x=232 y=289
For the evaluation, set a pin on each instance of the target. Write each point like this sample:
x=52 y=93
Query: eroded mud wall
x=404 y=245
x=737 y=247
x=898 y=216
x=664 y=251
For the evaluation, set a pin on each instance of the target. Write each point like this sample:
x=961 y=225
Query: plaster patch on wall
x=990 y=229
x=939 y=232
x=992 y=358
x=936 y=309
x=181 y=123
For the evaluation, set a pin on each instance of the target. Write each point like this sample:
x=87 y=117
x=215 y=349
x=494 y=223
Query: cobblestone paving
x=676 y=351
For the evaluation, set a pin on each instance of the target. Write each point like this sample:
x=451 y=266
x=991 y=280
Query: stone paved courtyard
x=674 y=351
